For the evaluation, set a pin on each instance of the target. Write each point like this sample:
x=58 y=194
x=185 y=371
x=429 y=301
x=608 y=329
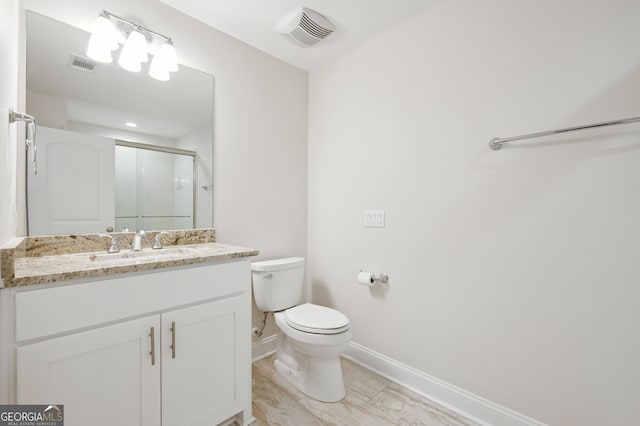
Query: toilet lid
x=316 y=319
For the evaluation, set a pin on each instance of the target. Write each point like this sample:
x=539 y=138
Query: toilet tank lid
x=277 y=264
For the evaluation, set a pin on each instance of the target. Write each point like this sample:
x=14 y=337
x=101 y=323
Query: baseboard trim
x=452 y=397
x=264 y=347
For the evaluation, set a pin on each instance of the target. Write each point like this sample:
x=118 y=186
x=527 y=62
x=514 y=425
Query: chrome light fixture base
x=126 y=28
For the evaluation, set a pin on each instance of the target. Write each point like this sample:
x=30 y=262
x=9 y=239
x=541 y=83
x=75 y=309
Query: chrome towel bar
x=496 y=143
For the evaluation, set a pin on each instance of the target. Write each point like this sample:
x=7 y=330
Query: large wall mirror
x=95 y=172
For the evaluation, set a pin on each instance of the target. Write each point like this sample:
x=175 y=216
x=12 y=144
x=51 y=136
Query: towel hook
x=30 y=136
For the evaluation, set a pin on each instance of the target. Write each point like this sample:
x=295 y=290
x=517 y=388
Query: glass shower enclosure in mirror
x=82 y=109
x=153 y=187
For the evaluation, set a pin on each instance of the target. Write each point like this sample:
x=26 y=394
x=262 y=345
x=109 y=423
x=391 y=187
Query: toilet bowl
x=311 y=361
x=311 y=337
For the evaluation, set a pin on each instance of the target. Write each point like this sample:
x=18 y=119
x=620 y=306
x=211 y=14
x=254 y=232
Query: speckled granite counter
x=37 y=260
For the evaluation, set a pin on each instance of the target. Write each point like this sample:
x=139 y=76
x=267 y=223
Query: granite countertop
x=39 y=260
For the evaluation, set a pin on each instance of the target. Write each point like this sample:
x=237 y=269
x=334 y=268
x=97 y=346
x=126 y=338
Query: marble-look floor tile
x=364 y=383
x=408 y=408
x=265 y=368
x=273 y=406
x=352 y=410
x=371 y=400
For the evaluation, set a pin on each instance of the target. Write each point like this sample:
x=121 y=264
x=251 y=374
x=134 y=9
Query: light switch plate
x=374 y=218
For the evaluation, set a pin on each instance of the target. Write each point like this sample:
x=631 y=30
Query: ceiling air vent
x=81 y=64
x=305 y=27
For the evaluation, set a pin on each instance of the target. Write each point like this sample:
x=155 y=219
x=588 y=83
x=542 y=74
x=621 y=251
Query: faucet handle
x=113 y=245
x=157 y=244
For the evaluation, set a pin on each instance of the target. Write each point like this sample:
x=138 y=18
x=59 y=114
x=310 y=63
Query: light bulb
x=164 y=62
x=168 y=55
x=102 y=41
x=138 y=43
x=99 y=50
x=103 y=29
x=158 y=70
x=134 y=52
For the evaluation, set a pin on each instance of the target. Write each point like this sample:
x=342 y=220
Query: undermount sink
x=146 y=255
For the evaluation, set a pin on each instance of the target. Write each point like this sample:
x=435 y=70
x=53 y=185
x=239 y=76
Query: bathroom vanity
x=130 y=339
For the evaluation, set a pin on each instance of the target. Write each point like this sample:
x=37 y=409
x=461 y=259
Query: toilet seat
x=310 y=318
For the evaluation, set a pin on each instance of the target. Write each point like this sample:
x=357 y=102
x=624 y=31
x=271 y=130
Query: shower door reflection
x=154 y=187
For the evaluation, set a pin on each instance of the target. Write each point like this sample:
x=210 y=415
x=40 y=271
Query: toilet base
x=320 y=379
x=311 y=362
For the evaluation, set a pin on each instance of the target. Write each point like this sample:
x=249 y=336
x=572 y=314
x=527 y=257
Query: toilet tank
x=278 y=283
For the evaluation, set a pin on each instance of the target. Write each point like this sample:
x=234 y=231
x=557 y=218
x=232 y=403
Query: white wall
x=50 y=111
x=514 y=274
x=204 y=172
x=260 y=124
x=8 y=99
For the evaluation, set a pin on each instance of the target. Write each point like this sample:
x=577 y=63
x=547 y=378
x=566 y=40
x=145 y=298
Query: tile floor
x=370 y=400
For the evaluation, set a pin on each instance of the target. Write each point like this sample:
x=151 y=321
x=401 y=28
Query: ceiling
x=254 y=21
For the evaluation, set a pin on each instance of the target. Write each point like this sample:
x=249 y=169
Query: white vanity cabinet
x=170 y=347
x=200 y=362
x=99 y=375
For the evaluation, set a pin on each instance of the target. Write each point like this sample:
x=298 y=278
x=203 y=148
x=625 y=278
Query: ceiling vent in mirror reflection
x=81 y=64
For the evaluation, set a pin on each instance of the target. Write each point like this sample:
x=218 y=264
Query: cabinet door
x=104 y=377
x=205 y=373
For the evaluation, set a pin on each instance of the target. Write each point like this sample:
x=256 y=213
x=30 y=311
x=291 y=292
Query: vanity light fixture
x=109 y=31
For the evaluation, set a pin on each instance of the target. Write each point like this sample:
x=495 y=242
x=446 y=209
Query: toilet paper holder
x=381 y=278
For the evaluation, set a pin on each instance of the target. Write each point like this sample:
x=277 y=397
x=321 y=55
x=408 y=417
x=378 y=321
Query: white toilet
x=311 y=338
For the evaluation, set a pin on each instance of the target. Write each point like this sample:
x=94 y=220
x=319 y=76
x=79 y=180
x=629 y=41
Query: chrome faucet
x=113 y=244
x=137 y=240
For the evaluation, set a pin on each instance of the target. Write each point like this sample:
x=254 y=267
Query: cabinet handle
x=173 y=339
x=153 y=346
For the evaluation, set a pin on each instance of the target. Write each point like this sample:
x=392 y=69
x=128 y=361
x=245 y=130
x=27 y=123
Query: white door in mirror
x=73 y=191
